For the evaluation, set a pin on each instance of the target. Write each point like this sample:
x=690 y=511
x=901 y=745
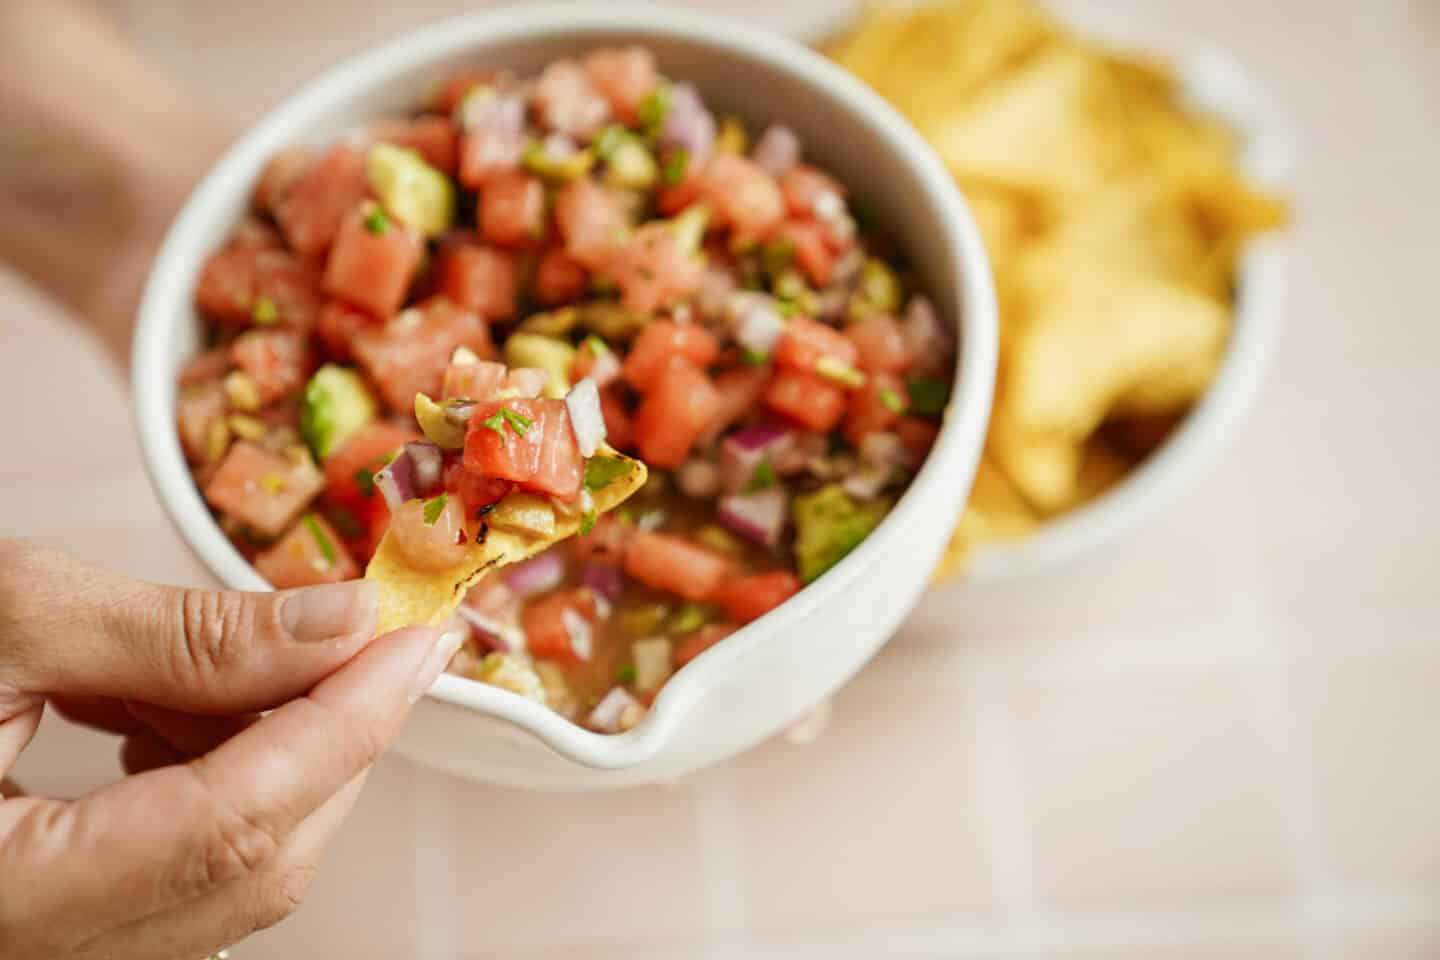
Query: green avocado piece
x=630 y=164
x=829 y=523
x=336 y=404
x=550 y=354
x=411 y=189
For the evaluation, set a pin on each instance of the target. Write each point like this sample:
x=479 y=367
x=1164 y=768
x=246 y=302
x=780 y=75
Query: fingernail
x=317 y=614
x=436 y=661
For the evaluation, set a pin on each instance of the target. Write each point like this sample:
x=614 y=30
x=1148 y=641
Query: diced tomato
x=544 y=458
x=744 y=197
x=288 y=288
x=301 y=559
x=749 y=598
x=674 y=412
x=409 y=354
x=198 y=407
x=619 y=425
x=917 y=435
x=263 y=490
x=512 y=210
x=692 y=186
x=806 y=399
x=652 y=271
x=812 y=253
x=225 y=290
x=488 y=152
x=349 y=471
x=558 y=278
x=592 y=223
x=281 y=173
x=475 y=492
x=457 y=85
x=479 y=278
x=311 y=210
x=805 y=341
x=210 y=365
x=872 y=406
x=624 y=76
x=741 y=390
x=661 y=340
x=338 y=324
x=675 y=564
x=279 y=361
x=372 y=269
x=880 y=344
x=802 y=183
x=692 y=645
x=547 y=635
x=477 y=381
x=434 y=138
x=252 y=233
x=233 y=281
x=568 y=102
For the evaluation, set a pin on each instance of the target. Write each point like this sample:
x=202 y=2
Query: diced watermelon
x=477 y=381
x=743 y=196
x=676 y=565
x=263 y=490
x=661 y=340
x=475 y=492
x=203 y=367
x=198 y=407
x=692 y=187
x=278 y=361
x=875 y=406
x=453 y=90
x=373 y=260
x=806 y=399
x=338 y=324
x=512 y=210
x=568 y=102
x=652 y=271
x=350 y=471
x=252 y=233
x=479 y=278
x=802 y=183
x=880 y=343
x=487 y=152
x=225 y=290
x=559 y=279
x=624 y=76
x=434 y=138
x=311 y=553
x=674 y=412
x=619 y=425
x=547 y=635
x=533 y=446
x=805 y=341
x=409 y=354
x=281 y=173
x=311 y=210
x=917 y=435
x=741 y=391
x=812 y=253
x=592 y=223
x=692 y=645
x=749 y=598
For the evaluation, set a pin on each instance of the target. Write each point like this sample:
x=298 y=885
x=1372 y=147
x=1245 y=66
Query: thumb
x=66 y=627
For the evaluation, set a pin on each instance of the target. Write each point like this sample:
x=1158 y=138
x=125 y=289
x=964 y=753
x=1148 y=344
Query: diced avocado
x=829 y=523
x=337 y=403
x=541 y=162
x=631 y=165
x=689 y=618
x=551 y=323
x=643 y=620
x=689 y=227
x=790 y=286
x=415 y=192
x=441 y=429
x=732 y=137
x=611 y=320
x=879 y=286
x=550 y=354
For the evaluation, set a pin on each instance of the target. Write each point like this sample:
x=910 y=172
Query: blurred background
x=1212 y=740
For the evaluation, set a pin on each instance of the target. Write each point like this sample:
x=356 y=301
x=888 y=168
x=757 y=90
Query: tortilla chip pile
x=1114 y=216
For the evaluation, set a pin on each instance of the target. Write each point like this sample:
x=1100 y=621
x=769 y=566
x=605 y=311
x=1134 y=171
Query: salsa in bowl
x=431 y=319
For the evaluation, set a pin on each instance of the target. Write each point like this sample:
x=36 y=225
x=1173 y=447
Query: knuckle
x=212 y=625
x=235 y=846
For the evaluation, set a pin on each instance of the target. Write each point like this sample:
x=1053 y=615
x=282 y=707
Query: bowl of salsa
x=427 y=294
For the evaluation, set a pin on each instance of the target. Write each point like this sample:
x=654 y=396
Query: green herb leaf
x=763 y=477
x=596 y=343
x=327 y=549
x=495 y=422
x=891 y=401
x=365 y=480
x=518 y=421
x=587 y=522
x=433 y=509
x=600 y=472
x=655 y=106
x=928 y=396
x=675 y=166
x=755 y=358
x=626 y=674
x=265 y=311
x=376 y=221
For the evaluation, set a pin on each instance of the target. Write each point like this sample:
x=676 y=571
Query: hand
x=219 y=827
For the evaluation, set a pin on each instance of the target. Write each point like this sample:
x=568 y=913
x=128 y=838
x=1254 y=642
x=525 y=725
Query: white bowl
x=1216 y=83
x=766 y=675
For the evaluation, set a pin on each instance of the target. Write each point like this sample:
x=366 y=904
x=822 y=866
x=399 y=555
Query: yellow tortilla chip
x=410 y=597
x=995 y=513
x=1102 y=468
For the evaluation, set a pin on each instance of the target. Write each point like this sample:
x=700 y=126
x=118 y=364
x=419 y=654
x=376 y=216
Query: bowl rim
x=1216 y=82
x=952 y=461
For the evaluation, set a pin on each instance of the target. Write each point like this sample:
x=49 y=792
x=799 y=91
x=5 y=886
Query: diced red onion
x=777 y=150
x=688 y=125
x=758 y=517
x=429 y=461
x=698 y=478
x=804 y=450
x=758 y=326
x=882 y=448
x=459 y=413
x=537 y=575
x=606 y=369
x=867 y=482
x=396 y=481
x=583 y=404
x=928 y=340
x=742 y=451
x=483 y=110
x=605 y=579
x=607 y=713
x=526 y=381
x=492 y=632
x=582 y=635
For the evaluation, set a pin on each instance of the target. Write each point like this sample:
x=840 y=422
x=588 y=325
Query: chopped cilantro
x=928 y=396
x=495 y=422
x=655 y=106
x=891 y=401
x=608 y=140
x=587 y=521
x=676 y=163
x=376 y=222
x=327 y=549
x=756 y=358
x=365 y=481
x=265 y=311
x=626 y=674
x=433 y=508
x=518 y=421
x=762 y=478
x=600 y=472
x=596 y=343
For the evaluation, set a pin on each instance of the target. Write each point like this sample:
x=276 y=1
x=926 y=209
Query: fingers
x=191 y=735
x=176 y=833
x=102 y=713
x=69 y=628
x=146 y=750
x=19 y=719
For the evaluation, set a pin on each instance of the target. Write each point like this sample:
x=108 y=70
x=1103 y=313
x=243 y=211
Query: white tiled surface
x=1212 y=742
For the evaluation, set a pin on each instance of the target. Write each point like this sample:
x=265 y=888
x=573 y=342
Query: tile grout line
x=436 y=907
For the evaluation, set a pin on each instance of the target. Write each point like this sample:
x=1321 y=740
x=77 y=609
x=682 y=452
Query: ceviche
x=467 y=332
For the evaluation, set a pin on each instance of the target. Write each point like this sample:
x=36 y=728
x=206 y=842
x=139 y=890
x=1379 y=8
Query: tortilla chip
x=410 y=597
x=1042 y=466
x=1102 y=468
x=995 y=513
